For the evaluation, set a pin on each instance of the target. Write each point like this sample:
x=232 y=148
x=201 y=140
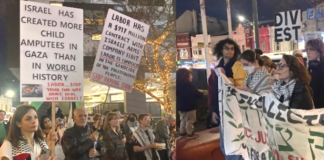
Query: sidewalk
x=205 y=147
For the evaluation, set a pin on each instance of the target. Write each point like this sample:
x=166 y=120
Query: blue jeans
x=228 y=157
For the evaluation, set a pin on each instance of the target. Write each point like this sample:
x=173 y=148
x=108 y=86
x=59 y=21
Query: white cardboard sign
x=287 y=25
x=120 y=51
x=51 y=53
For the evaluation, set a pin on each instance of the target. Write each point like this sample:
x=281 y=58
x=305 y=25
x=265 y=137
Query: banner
x=51 y=53
x=120 y=51
x=265 y=129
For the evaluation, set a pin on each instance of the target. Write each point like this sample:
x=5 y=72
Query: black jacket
x=187 y=96
x=76 y=144
x=316 y=70
x=58 y=114
x=301 y=97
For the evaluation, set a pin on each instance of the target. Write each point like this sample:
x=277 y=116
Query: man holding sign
x=79 y=142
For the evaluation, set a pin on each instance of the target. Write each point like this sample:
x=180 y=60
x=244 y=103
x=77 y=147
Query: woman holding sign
x=25 y=139
x=258 y=79
x=292 y=89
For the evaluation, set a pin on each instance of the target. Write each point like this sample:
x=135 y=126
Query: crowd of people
x=296 y=83
x=111 y=136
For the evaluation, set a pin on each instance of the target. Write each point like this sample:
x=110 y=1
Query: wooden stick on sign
x=53 y=129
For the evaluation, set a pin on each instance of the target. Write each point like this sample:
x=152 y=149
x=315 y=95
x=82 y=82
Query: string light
x=164 y=75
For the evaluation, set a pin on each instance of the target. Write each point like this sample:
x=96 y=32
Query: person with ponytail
x=258 y=79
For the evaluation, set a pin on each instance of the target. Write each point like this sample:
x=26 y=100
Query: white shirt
x=5 y=151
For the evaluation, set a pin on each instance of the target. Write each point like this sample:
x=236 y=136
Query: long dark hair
x=218 y=49
x=182 y=75
x=300 y=73
x=14 y=135
x=41 y=121
x=251 y=56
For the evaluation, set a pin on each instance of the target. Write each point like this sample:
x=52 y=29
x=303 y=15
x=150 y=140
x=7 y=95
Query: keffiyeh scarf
x=133 y=125
x=252 y=80
x=23 y=147
x=144 y=140
x=283 y=91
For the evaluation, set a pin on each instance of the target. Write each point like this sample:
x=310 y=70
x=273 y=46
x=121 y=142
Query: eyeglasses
x=227 y=48
x=280 y=66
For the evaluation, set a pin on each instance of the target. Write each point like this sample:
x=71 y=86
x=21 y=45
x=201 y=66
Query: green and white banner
x=261 y=128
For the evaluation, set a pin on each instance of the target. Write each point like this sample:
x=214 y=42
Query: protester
x=130 y=127
x=46 y=125
x=227 y=51
x=25 y=134
x=143 y=140
x=187 y=96
x=97 y=124
x=258 y=51
x=258 y=79
x=79 y=142
x=315 y=55
x=122 y=124
x=3 y=127
x=162 y=135
x=152 y=124
x=269 y=65
x=58 y=111
x=299 y=55
x=292 y=89
x=114 y=140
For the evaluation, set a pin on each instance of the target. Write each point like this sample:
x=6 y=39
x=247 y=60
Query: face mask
x=132 y=119
x=249 y=69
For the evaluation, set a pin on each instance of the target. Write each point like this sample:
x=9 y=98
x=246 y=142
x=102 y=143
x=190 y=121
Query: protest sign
x=120 y=51
x=312 y=35
x=51 y=52
x=287 y=25
x=279 y=133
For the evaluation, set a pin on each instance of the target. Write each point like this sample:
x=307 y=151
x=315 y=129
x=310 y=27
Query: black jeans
x=130 y=151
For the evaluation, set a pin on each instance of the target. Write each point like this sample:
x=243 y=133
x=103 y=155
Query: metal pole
x=229 y=19
x=255 y=22
x=205 y=35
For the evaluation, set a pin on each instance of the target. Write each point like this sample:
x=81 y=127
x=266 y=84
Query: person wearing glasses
x=315 y=53
x=227 y=52
x=258 y=79
x=293 y=89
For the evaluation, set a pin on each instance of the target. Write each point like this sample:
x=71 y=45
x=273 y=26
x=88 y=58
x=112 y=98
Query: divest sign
x=287 y=25
x=120 y=51
x=51 y=52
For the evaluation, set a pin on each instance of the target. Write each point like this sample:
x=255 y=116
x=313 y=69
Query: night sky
x=217 y=8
